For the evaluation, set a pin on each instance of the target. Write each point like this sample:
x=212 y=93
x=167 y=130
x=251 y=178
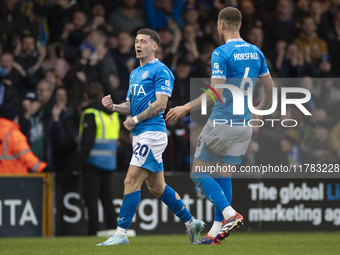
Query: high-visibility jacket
x=16 y=156
x=104 y=150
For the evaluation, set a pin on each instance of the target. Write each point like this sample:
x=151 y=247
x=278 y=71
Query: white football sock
x=216 y=227
x=189 y=222
x=228 y=212
x=121 y=231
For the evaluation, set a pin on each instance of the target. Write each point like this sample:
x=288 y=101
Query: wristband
x=135 y=119
x=113 y=107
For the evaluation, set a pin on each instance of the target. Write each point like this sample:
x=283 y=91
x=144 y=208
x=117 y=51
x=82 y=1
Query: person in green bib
x=97 y=156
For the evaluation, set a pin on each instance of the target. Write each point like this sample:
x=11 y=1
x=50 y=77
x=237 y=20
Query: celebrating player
x=226 y=144
x=150 y=87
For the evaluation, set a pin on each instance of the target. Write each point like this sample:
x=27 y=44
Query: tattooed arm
x=123 y=108
x=155 y=108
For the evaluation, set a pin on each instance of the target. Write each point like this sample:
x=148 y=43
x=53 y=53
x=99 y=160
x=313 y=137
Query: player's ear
x=223 y=26
x=155 y=46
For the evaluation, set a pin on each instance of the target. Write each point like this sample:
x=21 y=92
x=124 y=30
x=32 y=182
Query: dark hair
x=231 y=17
x=94 y=90
x=27 y=36
x=152 y=33
x=8 y=112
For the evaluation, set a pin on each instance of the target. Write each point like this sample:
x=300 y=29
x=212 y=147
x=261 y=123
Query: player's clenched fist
x=107 y=102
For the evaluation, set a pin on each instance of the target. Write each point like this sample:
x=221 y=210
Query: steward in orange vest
x=16 y=156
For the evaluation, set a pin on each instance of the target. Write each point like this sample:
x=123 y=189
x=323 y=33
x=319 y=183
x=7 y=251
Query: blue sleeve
x=164 y=82
x=218 y=65
x=128 y=95
x=177 y=12
x=154 y=17
x=263 y=68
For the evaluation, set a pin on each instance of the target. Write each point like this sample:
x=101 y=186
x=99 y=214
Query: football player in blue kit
x=150 y=86
x=233 y=63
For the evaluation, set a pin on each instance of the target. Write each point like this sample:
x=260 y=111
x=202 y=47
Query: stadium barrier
x=266 y=204
x=26 y=205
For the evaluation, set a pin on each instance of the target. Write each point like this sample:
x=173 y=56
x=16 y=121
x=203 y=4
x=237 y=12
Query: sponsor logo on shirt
x=145 y=75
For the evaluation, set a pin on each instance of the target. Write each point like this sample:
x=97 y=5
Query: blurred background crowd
x=52 y=50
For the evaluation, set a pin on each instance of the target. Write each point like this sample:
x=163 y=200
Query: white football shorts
x=148 y=148
x=223 y=143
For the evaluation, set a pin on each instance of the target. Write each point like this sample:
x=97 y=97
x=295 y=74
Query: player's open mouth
x=138 y=51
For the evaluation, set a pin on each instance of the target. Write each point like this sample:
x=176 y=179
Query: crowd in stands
x=51 y=50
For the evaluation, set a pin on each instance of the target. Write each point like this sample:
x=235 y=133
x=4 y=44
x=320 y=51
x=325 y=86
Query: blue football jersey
x=234 y=60
x=144 y=84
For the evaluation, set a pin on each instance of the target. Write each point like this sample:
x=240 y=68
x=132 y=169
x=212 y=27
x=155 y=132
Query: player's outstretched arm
x=154 y=109
x=177 y=113
x=123 y=108
x=180 y=111
x=268 y=86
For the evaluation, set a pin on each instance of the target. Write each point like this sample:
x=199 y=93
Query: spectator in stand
x=318 y=115
x=95 y=64
x=98 y=19
x=249 y=18
x=307 y=82
x=302 y=8
x=112 y=41
x=73 y=34
x=211 y=34
x=57 y=16
x=255 y=36
x=290 y=62
x=333 y=39
x=53 y=77
x=30 y=106
x=325 y=66
x=167 y=38
x=15 y=154
x=55 y=59
x=105 y=65
x=166 y=13
x=12 y=82
x=188 y=47
x=281 y=27
x=311 y=46
x=40 y=123
x=289 y=147
x=181 y=92
x=169 y=46
x=11 y=20
x=124 y=56
x=319 y=17
x=319 y=147
x=64 y=132
x=191 y=17
x=129 y=17
x=28 y=56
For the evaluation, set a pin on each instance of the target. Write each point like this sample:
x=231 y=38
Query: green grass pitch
x=238 y=243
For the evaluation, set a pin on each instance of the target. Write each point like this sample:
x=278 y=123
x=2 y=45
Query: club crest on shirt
x=145 y=75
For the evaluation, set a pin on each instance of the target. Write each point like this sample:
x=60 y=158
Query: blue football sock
x=176 y=205
x=211 y=189
x=225 y=184
x=128 y=209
